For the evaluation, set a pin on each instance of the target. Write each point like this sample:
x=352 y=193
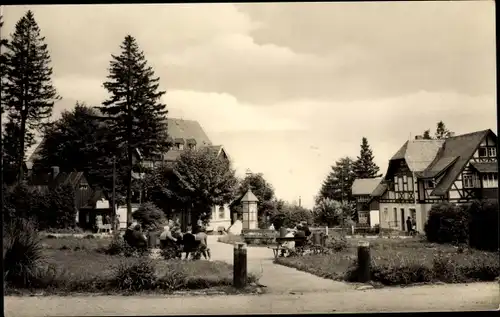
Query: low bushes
x=475 y=223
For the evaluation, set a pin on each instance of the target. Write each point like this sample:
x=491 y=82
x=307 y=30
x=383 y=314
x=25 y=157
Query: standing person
x=98 y=223
x=108 y=223
x=413 y=226
x=117 y=222
x=409 y=225
x=202 y=237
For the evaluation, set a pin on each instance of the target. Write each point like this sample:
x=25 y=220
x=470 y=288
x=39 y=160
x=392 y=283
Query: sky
x=289 y=88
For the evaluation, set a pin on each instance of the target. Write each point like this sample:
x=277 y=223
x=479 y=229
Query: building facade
x=367 y=208
x=458 y=169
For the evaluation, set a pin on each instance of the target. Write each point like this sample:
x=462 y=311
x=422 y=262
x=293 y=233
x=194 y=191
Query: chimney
x=55 y=171
x=419 y=137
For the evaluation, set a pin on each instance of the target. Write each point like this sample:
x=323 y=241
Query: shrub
x=135 y=276
x=484 y=229
x=173 y=280
x=118 y=246
x=22 y=253
x=447 y=223
x=289 y=215
x=337 y=244
x=149 y=216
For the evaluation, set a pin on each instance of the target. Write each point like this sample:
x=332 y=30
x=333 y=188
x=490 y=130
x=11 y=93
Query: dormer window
x=191 y=143
x=430 y=183
x=179 y=143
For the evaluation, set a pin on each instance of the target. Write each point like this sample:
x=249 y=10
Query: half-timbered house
x=424 y=172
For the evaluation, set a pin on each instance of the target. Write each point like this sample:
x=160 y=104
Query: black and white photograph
x=249 y=158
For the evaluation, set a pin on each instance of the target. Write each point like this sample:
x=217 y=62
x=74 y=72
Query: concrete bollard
x=364 y=261
x=240 y=265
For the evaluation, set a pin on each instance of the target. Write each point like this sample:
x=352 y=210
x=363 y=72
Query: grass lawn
x=76 y=265
x=403 y=261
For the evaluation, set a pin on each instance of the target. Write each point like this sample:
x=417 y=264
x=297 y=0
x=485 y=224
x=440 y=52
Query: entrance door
x=403 y=219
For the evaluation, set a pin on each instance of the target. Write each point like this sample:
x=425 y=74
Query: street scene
x=170 y=159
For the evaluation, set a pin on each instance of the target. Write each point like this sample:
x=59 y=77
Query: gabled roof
x=462 y=147
x=187 y=129
x=379 y=190
x=420 y=154
x=438 y=166
x=249 y=197
x=364 y=186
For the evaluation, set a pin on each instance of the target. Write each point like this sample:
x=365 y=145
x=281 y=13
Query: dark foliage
x=447 y=223
x=364 y=166
x=27 y=91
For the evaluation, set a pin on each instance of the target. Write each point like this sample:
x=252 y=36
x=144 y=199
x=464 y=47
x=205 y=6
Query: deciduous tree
x=80 y=141
x=28 y=92
x=338 y=183
x=204 y=179
x=136 y=116
x=262 y=190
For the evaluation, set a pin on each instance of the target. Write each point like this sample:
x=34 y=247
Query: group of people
x=173 y=241
x=301 y=230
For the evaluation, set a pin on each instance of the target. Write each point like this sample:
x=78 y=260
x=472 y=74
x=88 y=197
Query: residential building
x=424 y=172
x=367 y=208
x=86 y=198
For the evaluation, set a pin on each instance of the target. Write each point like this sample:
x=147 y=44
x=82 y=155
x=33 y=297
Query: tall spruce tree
x=364 y=167
x=135 y=114
x=28 y=94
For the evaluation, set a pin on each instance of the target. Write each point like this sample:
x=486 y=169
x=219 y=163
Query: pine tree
x=11 y=139
x=364 y=167
x=136 y=116
x=28 y=93
x=427 y=135
x=441 y=131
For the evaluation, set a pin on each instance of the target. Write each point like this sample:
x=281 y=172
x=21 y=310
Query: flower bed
x=402 y=262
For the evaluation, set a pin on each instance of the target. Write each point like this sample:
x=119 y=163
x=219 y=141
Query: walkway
x=456 y=297
x=278 y=279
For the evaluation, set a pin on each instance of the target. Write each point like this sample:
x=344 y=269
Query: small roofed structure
x=249 y=203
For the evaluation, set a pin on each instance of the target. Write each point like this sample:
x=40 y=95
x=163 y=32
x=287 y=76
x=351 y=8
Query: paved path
x=472 y=297
x=278 y=279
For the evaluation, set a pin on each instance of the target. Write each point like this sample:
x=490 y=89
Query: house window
x=490 y=180
x=492 y=152
x=222 y=213
x=400 y=183
x=410 y=184
x=429 y=183
x=192 y=146
x=180 y=146
x=84 y=186
x=482 y=152
x=395 y=210
x=468 y=181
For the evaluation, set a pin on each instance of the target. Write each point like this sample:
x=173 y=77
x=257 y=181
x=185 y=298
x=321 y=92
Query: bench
x=280 y=241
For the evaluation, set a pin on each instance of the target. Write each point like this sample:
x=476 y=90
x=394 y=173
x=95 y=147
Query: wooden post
x=240 y=265
x=364 y=261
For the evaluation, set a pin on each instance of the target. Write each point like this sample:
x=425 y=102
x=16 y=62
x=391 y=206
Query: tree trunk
x=20 y=159
x=129 y=187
